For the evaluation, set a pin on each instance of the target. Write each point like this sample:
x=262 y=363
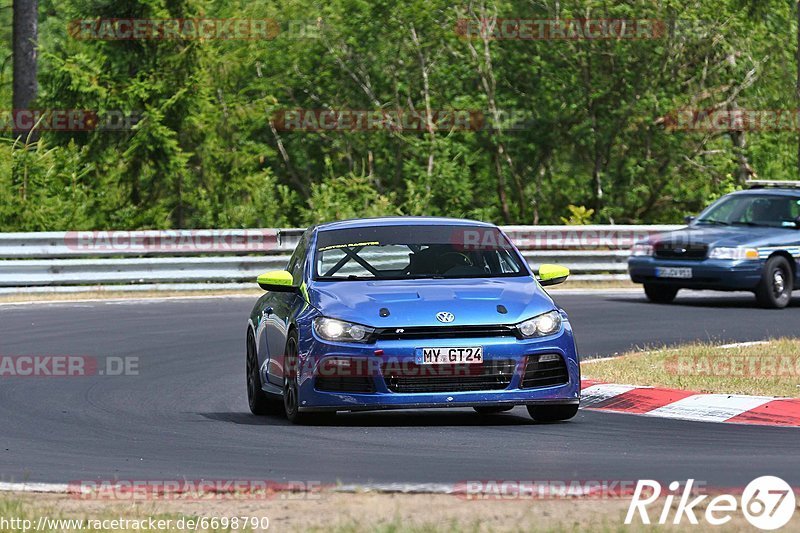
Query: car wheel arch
x=252 y=331
x=786 y=255
x=251 y=334
x=293 y=330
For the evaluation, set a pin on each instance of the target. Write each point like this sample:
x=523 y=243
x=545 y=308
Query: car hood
x=716 y=236
x=416 y=302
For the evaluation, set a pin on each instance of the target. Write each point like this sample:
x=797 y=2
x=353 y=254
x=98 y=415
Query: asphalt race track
x=185 y=416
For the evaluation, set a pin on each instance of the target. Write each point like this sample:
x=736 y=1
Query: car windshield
x=415 y=252
x=753 y=210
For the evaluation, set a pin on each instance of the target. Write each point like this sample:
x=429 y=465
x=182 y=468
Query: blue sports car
x=398 y=313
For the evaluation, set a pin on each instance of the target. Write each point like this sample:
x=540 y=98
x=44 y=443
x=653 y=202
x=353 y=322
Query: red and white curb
x=687 y=405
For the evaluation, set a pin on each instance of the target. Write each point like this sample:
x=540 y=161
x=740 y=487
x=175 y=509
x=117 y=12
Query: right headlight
x=540 y=326
x=331 y=329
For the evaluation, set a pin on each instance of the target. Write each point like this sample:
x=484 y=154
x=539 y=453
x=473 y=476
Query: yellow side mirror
x=552 y=275
x=276 y=280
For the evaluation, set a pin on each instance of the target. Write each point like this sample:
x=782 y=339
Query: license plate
x=672 y=272
x=438 y=356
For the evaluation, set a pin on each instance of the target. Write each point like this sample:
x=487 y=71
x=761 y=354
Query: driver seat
x=769 y=210
x=423 y=263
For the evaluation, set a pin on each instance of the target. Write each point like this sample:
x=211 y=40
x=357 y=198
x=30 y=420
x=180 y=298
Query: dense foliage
x=206 y=153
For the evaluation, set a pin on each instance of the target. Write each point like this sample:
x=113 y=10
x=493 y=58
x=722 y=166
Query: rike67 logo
x=767 y=502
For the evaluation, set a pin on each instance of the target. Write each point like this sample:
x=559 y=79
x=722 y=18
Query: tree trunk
x=25 y=36
x=501 y=189
x=744 y=170
x=797 y=87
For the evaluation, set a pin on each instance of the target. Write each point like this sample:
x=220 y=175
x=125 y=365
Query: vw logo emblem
x=445 y=317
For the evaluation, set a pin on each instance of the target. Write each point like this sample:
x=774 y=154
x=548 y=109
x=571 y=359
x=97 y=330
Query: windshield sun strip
x=437 y=277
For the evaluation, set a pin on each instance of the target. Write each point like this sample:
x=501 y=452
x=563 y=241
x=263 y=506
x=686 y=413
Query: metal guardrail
x=197 y=259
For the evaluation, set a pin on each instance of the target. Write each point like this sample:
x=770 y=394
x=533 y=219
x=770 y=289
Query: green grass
x=539 y=524
x=771 y=369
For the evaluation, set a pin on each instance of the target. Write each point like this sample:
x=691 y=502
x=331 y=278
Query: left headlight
x=331 y=329
x=642 y=249
x=541 y=326
x=735 y=253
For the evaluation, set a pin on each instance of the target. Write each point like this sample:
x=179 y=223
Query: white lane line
x=34 y=487
x=743 y=344
x=132 y=300
x=246 y=286
x=601 y=392
x=595 y=292
x=402 y=488
x=598 y=359
x=709 y=407
x=143 y=287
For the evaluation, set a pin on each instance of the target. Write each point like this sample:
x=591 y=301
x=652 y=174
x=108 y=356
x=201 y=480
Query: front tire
x=774 y=291
x=660 y=294
x=291 y=388
x=291 y=378
x=552 y=413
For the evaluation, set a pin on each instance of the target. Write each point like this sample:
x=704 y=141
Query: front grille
x=410 y=377
x=344 y=384
x=544 y=373
x=673 y=250
x=444 y=332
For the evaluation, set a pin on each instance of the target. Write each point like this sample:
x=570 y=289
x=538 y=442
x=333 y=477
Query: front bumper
x=713 y=274
x=495 y=350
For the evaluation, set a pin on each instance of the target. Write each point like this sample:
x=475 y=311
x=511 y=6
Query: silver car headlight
x=540 y=326
x=331 y=329
x=733 y=253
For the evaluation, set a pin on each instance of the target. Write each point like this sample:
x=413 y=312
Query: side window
x=506 y=263
x=795 y=208
x=298 y=260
